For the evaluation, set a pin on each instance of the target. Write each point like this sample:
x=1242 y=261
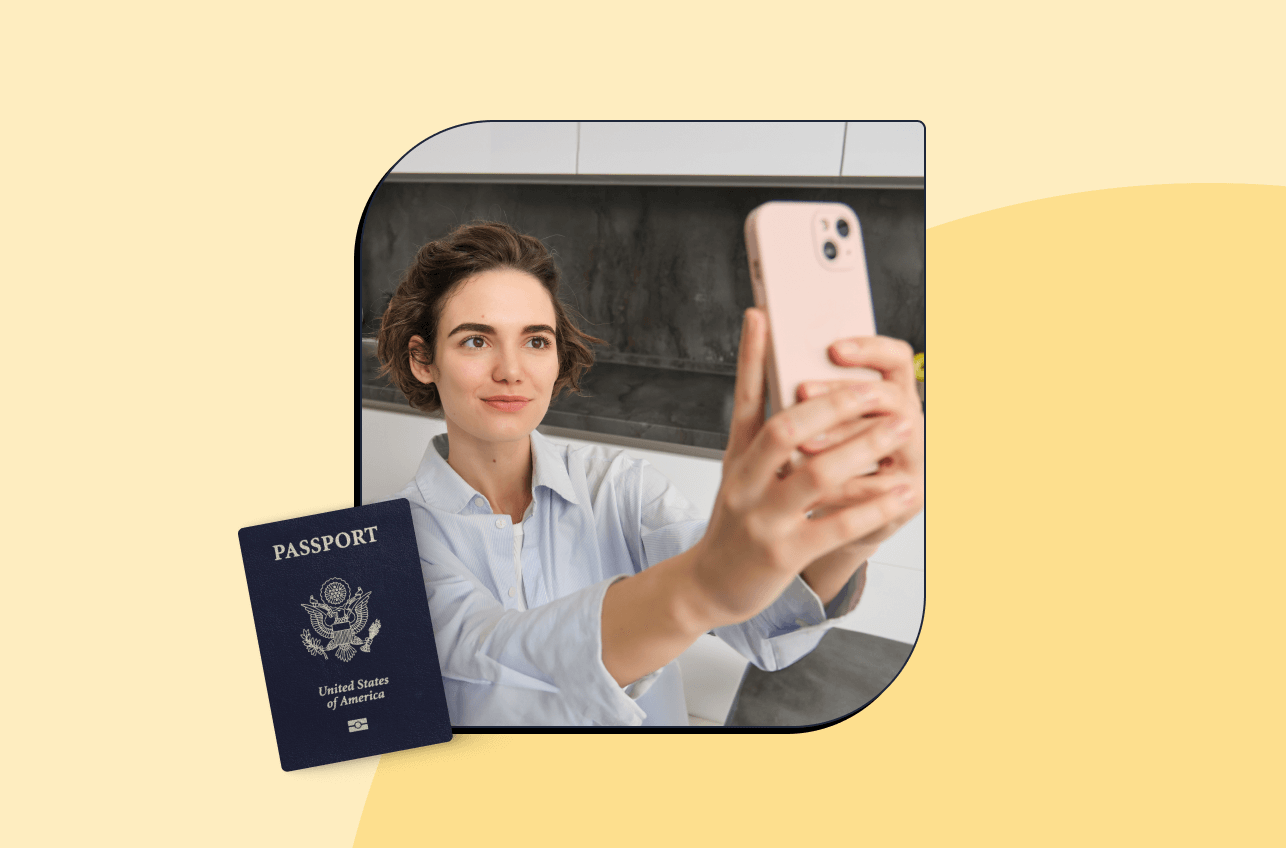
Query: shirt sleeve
x=556 y=647
x=784 y=632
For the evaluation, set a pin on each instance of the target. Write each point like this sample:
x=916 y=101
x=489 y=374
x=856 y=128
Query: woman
x=564 y=581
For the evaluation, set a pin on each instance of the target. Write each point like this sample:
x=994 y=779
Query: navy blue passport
x=345 y=635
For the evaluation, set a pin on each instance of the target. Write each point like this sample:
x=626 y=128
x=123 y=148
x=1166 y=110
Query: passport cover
x=345 y=634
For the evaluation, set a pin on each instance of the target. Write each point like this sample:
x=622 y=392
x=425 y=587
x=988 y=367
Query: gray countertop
x=844 y=673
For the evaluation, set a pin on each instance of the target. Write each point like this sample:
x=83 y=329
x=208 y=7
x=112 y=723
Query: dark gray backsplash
x=658 y=271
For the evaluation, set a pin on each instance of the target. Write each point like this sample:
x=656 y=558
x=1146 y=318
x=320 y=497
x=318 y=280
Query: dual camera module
x=837 y=238
x=829 y=248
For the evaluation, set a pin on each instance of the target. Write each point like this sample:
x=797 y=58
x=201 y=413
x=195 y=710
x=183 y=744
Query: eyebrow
x=487 y=328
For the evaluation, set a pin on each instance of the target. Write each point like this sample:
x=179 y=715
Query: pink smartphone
x=808 y=270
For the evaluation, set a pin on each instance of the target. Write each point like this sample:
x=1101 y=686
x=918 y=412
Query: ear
x=416 y=353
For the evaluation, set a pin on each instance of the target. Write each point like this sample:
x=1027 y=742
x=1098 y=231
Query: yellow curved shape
x=1100 y=522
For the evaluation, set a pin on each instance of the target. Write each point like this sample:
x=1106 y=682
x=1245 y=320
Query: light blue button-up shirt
x=597 y=515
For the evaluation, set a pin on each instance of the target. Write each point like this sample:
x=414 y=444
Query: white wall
x=755 y=148
x=496 y=147
x=884 y=149
x=703 y=148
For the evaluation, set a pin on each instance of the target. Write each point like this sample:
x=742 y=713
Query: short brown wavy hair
x=439 y=267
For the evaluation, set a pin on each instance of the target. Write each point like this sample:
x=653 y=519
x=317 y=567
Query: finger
x=816 y=388
x=914 y=506
x=907 y=456
x=886 y=398
x=893 y=358
x=873 y=538
x=782 y=433
x=911 y=456
x=826 y=475
x=855 y=522
x=837 y=435
x=861 y=489
x=748 y=393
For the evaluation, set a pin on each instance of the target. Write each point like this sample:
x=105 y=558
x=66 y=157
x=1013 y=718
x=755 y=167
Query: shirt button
x=500 y=522
x=799 y=622
x=513 y=590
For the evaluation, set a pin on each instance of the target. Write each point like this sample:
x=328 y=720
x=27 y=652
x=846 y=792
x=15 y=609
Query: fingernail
x=810 y=389
x=847 y=350
x=818 y=440
x=904 y=494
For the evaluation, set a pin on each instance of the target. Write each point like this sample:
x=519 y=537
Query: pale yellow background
x=1099 y=663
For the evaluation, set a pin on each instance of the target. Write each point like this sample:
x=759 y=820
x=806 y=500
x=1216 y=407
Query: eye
x=469 y=342
x=540 y=342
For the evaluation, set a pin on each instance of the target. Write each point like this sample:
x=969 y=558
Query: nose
x=508 y=366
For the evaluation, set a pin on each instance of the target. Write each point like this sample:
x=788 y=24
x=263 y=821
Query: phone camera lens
x=841 y=227
x=829 y=250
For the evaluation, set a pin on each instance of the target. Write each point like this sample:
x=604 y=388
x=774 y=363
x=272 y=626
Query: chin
x=489 y=427
x=511 y=431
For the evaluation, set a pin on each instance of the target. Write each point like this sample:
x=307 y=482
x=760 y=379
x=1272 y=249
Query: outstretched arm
x=759 y=537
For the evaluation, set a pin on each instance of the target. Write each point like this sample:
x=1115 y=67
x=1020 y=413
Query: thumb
x=748 y=394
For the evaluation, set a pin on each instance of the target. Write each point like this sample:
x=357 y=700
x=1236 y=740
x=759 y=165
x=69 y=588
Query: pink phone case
x=812 y=298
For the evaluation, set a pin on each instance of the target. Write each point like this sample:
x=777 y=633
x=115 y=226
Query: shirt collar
x=439 y=484
x=443 y=488
x=549 y=468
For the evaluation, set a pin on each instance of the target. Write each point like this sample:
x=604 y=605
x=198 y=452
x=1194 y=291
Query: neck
x=499 y=471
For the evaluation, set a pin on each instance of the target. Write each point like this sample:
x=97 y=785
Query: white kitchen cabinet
x=393 y=443
x=496 y=147
x=712 y=148
x=712 y=671
x=884 y=149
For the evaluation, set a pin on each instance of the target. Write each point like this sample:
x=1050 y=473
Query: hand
x=895 y=396
x=759 y=536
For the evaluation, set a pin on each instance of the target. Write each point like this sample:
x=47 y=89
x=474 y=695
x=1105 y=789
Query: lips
x=507 y=403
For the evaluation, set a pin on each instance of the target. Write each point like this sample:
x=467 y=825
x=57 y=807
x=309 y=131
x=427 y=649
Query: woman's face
x=496 y=362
